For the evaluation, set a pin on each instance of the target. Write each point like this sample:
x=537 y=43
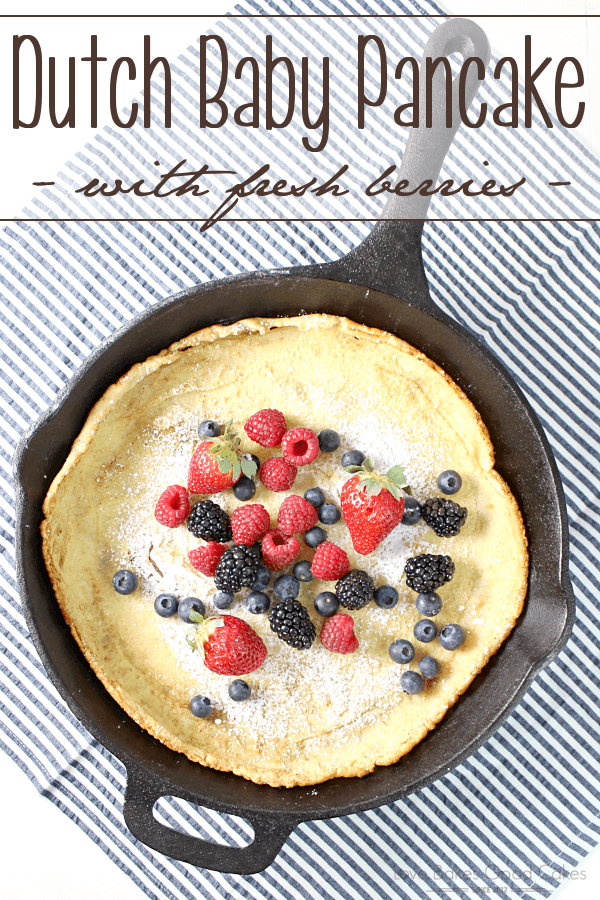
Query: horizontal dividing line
x=375 y=219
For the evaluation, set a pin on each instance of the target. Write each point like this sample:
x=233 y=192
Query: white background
x=45 y=855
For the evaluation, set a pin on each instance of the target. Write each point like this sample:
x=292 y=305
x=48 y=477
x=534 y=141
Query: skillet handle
x=142 y=792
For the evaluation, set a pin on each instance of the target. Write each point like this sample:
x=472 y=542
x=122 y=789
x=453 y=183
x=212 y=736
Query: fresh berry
x=189 y=608
x=329 y=440
x=412 y=682
x=355 y=589
x=329 y=514
x=338 y=635
x=291 y=623
x=228 y=645
x=286 y=587
x=277 y=475
x=206 y=559
x=208 y=521
x=217 y=464
x=326 y=604
x=449 y=482
x=249 y=523
x=299 y=446
x=412 y=511
x=402 y=651
x=425 y=631
x=353 y=458
x=257 y=602
x=315 y=536
x=173 y=506
x=124 y=581
x=166 y=605
x=426 y=573
x=329 y=562
x=386 y=596
x=244 y=489
x=236 y=569
x=257 y=546
x=452 y=637
x=430 y=667
x=278 y=550
x=295 y=515
x=238 y=690
x=429 y=604
x=315 y=497
x=200 y=706
x=221 y=600
x=266 y=427
x=263 y=577
x=445 y=516
x=209 y=429
x=372 y=505
x=302 y=571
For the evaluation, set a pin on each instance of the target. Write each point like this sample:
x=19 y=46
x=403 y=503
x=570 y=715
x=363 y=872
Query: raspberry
x=173 y=506
x=266 y=427
x=299 y=446
x=249 y=523
x=338 y=635
x=296 y=515
x=329 y=562
x=278 y=550
x=277 y=475
x=205 y=559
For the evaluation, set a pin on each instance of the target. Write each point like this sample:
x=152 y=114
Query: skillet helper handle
x=142 y=792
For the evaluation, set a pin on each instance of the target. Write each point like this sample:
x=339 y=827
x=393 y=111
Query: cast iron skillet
x=382 y=284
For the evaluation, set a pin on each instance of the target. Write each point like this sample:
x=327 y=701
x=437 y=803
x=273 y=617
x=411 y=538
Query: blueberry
x=329 y=514
x=326 y=604
x=402 y=651
x=124 y=581
x=200 y=706
x=257 y=602
x=252 y=458
x=244 y=488
x=315 y=497
x=286 y=587
x=429 y=604
x=425 y=630
x=239 y=690
x=166 y=605
x=353 y=458
x=452 y=637
x=412 y=511
x=208 y=429
x=263 y=577
x=412 y=682
x=222 y=600
x=315 y=536
x=302 y=571
x=386 y=596
x=430 y=667
x=449 y=482
x=328 y=440
x=189 y=605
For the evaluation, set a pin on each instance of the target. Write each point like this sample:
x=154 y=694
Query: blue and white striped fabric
x=523 y=810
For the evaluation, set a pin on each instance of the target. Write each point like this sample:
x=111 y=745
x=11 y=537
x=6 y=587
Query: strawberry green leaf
x=224 y=464
x=249 y=467
x=237 y=470
x=396 y=475
x=195 y=616
x=373 y=490
x=408 y=490
x=368 y=465
x=353 y=469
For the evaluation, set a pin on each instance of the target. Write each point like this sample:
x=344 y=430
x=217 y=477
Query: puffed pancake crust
x=313 y=714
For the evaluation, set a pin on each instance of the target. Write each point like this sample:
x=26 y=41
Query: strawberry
x=277 y=475
x=173 y=506
x=266 y=427
x=217 y=464
x=228 y=645
x=278 y=550
x=329 y=562
x=372 y=504
x=338 y=635
x=299 y=446
x=249 y=523
x=205 y=559
x=296 y=515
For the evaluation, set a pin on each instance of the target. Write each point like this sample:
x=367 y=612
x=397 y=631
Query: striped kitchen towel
x=523 y=810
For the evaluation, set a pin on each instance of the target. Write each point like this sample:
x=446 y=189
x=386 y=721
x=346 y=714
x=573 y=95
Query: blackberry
x=445 y=516
x=426 y=573
x=355 y=589
x=207 y=520
x=291 y=623
x=237 y=568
